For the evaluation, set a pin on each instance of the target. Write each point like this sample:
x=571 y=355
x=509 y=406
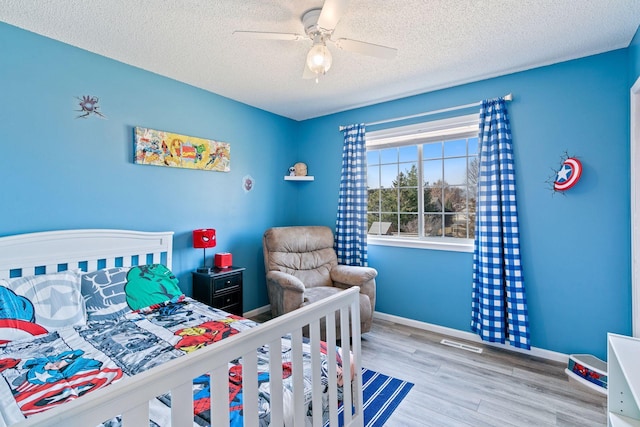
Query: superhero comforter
x=51 y=369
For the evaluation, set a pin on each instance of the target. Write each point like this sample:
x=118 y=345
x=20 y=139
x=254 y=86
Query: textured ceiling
x=441 y=43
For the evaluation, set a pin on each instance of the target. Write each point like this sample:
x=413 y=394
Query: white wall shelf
x=298 y=178
x=623 y=403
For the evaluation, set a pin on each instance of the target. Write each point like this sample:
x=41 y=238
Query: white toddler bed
x=314 y=380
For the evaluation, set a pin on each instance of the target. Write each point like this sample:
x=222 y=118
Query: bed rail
x=130 y=397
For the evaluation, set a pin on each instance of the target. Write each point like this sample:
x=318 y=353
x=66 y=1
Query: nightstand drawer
x=227 y=299
x=220 y=288
x=227 y=282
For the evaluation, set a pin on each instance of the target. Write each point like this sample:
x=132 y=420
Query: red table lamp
x=204 y=238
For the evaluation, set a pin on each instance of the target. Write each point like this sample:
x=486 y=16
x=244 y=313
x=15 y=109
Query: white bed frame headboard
x=89 y=249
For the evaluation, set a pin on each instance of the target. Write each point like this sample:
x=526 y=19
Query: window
x=422 y=184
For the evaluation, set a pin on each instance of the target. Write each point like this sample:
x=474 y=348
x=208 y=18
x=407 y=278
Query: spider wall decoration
x=88 y=105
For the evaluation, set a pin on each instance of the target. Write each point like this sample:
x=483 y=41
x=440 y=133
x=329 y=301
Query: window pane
x=389 y=199
x=433 y=199
x=455 y=199
x=456 y=225
x=432 y=171
x=389 y=155
x=373 y=157
x=408 y=225
x=388 y=174
x=408 y=153
x=432 y=150
x=455 y=148
x=408 y=177
x=455 y=171
x=409 y=200
x=433 y=225
x=373 y=177
x=474 y=146
x=371 y=218
x=472 y=194
x=473 y=172
x=472 y=215
x=373 y=201
x=392 y=221
x=448 y=222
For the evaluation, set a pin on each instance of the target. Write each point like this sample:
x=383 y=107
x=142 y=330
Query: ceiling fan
x=319 y=24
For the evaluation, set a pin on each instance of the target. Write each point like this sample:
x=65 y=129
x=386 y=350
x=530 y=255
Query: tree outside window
x=422 y=191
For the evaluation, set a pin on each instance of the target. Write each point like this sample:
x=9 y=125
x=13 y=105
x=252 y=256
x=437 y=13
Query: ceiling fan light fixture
x=319 y=24
x=319 y=58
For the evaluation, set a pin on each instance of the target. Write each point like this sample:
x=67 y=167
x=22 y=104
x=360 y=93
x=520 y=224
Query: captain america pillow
x=34 y=305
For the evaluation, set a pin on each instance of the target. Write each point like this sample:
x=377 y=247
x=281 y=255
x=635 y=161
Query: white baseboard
x=537 y=352
x=257 y=311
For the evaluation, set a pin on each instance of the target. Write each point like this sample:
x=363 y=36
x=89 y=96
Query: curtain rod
x=508 y=97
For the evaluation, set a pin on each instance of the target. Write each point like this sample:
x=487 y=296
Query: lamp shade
x=204 y=238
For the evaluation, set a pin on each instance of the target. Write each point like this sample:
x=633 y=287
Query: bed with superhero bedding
x=99 y=344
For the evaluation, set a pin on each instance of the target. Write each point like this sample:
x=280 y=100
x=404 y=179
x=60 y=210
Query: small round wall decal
x=247 y=183
x=568 y=175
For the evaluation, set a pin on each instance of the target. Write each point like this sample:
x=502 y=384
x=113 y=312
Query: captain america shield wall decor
x=568 y=175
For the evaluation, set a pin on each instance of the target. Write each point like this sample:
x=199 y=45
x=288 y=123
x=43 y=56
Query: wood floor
x=455 y=387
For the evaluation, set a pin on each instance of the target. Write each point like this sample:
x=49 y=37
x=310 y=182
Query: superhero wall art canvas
x=161 y=148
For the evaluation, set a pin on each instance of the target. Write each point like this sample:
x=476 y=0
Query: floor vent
x=461 y=346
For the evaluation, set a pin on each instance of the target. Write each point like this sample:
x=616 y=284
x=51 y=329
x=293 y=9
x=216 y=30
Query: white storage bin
x=589 y=371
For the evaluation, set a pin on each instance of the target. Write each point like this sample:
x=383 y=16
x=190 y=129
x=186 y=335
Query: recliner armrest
x=286 y=292
x=346 y=276
x=285 y=281
x=352 y=275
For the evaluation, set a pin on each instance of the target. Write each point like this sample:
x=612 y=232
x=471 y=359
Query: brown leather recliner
x=302 y=267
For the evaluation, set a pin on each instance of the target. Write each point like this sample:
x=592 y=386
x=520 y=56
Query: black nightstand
x=222 y=288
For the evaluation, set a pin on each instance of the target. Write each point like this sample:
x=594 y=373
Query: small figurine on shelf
x=300 y=169
x=292 y=171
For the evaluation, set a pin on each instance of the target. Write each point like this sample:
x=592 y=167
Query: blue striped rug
x=381 y=396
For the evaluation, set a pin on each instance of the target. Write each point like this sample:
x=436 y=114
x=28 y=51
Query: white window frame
x=455 y=127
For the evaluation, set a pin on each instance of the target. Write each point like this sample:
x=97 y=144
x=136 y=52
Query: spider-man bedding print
x=202 y=395
x=45 y=371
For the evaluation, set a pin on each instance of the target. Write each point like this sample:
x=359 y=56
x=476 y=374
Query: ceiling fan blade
x=270 y=36
x=367 y=48
x=331 y=13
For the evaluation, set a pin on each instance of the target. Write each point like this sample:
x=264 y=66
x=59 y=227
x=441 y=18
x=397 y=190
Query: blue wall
x=634 y=57
x=575 y=247
x=63 y=172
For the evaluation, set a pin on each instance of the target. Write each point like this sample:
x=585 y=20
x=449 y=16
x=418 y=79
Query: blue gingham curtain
x=499 y=305
x=351 y=221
